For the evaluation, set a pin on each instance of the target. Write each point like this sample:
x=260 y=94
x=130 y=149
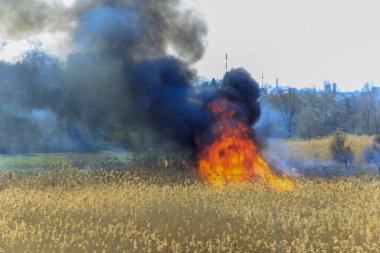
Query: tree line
x=309 y=113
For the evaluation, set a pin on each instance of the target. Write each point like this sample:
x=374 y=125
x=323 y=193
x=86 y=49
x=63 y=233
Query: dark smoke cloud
x=145 y=27
x=240 y=92
x=118 y=87
x=240 y=89
x=159 y=24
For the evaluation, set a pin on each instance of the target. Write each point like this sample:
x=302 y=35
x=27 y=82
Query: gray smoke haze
x=3 y=44
x=22 y=18
x=119 y=86
x=154 y=25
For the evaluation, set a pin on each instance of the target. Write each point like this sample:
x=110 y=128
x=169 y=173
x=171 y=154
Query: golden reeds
x=69 y=210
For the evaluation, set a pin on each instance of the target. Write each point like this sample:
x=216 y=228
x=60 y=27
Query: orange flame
x=232 y=157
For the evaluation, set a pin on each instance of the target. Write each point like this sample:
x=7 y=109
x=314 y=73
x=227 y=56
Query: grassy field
x=37 y=162
x=67 y=203
x=318 y=150
x=140 y=210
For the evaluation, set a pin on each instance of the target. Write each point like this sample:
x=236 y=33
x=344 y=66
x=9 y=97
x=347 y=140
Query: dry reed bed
x=144 y=211
x=319 y=149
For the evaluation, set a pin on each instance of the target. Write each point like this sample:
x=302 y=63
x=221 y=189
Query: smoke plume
x=118 y=86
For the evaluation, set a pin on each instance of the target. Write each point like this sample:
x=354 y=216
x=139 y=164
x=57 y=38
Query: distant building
x=330 y=87
x=327 y=86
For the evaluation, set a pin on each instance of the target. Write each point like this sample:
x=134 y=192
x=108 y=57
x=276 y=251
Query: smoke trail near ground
x=118 y=86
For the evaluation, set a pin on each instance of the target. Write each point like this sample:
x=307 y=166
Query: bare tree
x=327 y=111
x=35 y=53
x=288 y=105
x=368 y=107
x=307 y=123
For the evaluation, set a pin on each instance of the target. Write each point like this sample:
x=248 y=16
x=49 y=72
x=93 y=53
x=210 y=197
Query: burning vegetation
x=134 y=88
x=118 y=87
x=232 y=156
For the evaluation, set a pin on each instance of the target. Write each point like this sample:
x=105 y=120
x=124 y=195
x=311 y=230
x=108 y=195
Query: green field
x=294 y=149
x=36 y=162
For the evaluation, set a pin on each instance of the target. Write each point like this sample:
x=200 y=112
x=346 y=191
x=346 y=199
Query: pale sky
x=302 y=42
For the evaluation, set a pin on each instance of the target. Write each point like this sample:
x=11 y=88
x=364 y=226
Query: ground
x=67 y=209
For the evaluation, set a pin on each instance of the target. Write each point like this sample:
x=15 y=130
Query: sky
x=300 y=42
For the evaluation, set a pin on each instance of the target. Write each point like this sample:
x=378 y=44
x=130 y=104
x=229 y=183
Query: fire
x=232 y=156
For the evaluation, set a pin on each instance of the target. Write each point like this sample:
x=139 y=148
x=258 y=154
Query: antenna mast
x=226 y=63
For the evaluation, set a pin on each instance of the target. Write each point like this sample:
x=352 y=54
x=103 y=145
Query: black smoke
x=238 y=95
x=118 y=86
x=241 y=90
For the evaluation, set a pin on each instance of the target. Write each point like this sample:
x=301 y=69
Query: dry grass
x=319 y=149
x=67 y=210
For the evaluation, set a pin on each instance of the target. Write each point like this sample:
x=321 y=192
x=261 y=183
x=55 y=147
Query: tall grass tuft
x=340 y=148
